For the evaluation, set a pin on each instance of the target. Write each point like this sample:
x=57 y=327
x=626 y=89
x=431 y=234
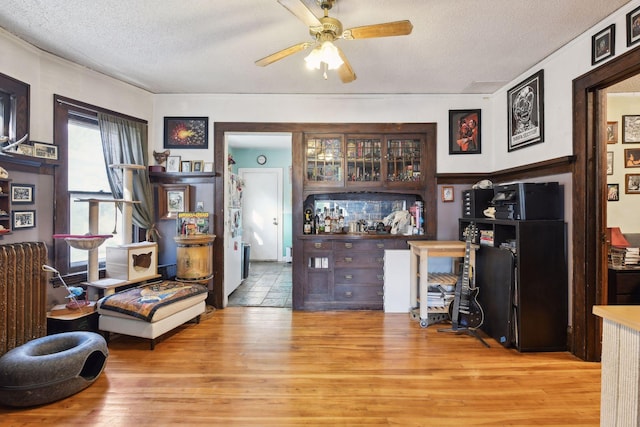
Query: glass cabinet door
x=324 y=159
x=404 y=159
x=364 y=159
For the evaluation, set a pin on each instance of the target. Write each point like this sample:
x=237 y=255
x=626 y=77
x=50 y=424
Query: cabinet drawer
x=358 y=293
x=318 y=245
x=358 y=276
x=628 y=283
x=364 y=245
x=356 y=259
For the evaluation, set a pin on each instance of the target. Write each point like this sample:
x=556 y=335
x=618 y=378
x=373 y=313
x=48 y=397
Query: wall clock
x=261 y=159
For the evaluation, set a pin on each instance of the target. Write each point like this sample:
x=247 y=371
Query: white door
x=261 y=212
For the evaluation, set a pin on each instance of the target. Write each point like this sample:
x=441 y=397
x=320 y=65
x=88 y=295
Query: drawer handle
x=317 y=245
x=380 y=293
x=348 y=259
x=348 y=245
x=348 y=294
x=348 y=276
x=380 y=245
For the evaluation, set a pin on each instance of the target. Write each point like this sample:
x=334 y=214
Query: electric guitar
x=464 y=311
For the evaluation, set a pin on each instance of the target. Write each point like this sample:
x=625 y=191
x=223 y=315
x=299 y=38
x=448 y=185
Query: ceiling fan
x=325 y=31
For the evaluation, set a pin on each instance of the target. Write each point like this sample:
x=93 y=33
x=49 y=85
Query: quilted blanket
x=143 y=301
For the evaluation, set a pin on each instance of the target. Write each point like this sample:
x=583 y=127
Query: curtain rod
x=94 y=109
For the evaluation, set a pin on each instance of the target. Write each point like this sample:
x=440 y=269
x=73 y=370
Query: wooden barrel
x=194 y=257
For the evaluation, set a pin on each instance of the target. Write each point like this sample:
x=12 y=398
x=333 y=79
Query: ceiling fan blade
x=302 y=12
x=282 y=54
x=397 y=28
x=345 y=71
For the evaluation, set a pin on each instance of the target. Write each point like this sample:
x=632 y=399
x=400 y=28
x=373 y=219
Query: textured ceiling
x=206 y=46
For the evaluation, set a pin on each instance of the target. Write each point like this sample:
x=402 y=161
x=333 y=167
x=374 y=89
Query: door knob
x=275 y=221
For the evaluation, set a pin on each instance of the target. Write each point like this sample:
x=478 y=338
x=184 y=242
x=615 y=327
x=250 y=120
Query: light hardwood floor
x=255 y=366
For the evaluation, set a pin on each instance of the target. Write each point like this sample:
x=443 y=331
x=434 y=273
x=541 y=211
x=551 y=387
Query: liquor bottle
x=341 y=220
x=307 y=226
x=316 y=222
x=327 y=221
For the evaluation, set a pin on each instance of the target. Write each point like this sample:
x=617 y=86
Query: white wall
x=48 y=75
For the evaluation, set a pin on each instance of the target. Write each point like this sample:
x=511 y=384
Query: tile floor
x=268 y=285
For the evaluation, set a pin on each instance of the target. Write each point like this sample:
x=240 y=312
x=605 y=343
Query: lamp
x=326 y=53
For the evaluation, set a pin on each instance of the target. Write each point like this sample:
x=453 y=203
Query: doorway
x=259 y=163
x=589 y=193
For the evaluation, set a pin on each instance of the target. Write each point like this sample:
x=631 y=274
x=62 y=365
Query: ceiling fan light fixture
x=328 y=53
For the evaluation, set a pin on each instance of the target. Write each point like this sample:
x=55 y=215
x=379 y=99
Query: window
x=87 y=179
x=82 y=174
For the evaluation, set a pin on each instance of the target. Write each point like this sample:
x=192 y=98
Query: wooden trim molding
x=547 y=167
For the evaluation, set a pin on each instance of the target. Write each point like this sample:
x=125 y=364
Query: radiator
x=23 y=294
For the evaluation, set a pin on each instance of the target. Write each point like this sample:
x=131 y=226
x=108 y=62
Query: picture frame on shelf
x=22 y=194
x=630 y=129
x=173 y=199
x=186 y=132
x=633 y=26
x=173 y=163
x=197 y=166
x=632 y=158
x=465 y=131
x=25 y=150
x=45 y=151
x=208 y=167
x=612 y=132
x=447 y=193
x=613 y=192
x=603 y=44
x=632 y=183
x=185 y=166
x=609 y=162
x=525 y=111
x=22 y=219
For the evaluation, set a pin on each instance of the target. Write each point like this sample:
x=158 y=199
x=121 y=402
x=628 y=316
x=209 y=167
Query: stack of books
x=441 y=290
x=624 y=256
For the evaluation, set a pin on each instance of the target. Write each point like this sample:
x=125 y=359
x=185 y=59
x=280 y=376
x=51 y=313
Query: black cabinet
x=624 y=285
x=521 y=273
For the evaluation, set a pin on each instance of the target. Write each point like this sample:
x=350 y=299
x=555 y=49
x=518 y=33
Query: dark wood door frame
x=589 y=198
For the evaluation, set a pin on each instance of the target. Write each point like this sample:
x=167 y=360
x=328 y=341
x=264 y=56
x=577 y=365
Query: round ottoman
x=51 y=368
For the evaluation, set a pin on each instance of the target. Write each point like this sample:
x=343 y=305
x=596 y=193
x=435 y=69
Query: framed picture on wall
x=525 y=109
x=447 y=193
x=603 y=44
x=633 y=26
x=173 y=163
x=632 y=183
x=464 y=132
x=612 y=132
x=22 y=194
x=23 y=219
x=632 y=158
x=630 y=129
x=609 y=162
x=186 y=132
x=173 y=199
x=613 y=192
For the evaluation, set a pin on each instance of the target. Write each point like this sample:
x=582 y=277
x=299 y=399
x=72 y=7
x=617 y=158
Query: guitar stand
x=471 y=332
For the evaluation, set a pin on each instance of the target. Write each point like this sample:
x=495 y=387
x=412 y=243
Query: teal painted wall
x=276 y=158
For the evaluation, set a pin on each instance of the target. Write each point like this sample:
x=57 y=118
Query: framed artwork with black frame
x=603 y=44
x=23 y=219
x=525 y=110
x=613 y=192
x=633 y=26
x=22 y=194
x=630 y=129
x=173 y=199
x=464 y=131
x=186 y=132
